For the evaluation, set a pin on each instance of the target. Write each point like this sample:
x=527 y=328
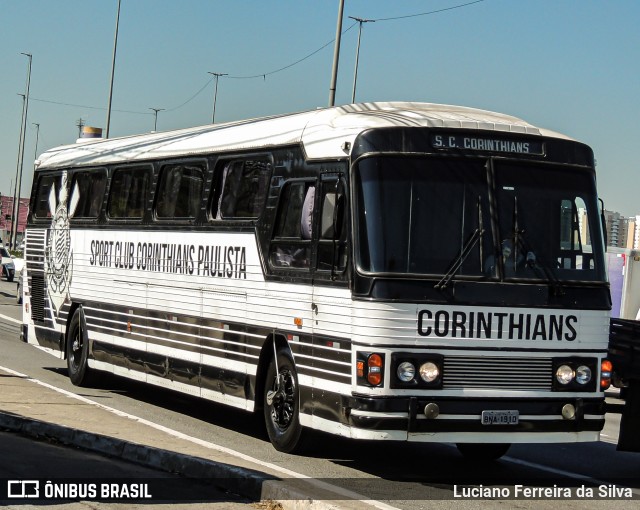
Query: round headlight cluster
x=565 y=374
x=428 y=371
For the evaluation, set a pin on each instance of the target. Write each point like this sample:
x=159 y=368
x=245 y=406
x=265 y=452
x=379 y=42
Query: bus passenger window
x=179 y=191
x=243 y=189
x=291 y=244
x=128 y=191
x=46 y=184
x=87 y=193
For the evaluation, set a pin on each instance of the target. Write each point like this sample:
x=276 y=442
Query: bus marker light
x=128 y=326
x=431 y=411
x=374 y=363
x=568 y=412
x=606 y=367
x=297 y=321
x=360 y=368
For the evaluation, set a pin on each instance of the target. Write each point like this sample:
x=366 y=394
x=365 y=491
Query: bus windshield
x=434 y=216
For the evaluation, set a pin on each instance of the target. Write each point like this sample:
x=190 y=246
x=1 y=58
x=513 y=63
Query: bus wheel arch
x=278 y=395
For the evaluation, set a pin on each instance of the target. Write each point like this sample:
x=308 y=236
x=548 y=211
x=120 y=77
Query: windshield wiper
x=464 y=253
x=532 y=260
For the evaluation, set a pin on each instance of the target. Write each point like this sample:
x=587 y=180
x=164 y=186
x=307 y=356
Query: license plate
x=500 y=417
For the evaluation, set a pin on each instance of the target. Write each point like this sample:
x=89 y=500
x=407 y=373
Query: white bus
x=390 y=271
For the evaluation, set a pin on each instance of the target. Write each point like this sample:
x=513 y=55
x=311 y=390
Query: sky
x=572 y=66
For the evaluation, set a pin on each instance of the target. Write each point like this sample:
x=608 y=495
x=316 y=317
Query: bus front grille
x=497 y=372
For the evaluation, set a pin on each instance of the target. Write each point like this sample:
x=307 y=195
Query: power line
x=430 y=12
x=261 y=75
x=88 y=107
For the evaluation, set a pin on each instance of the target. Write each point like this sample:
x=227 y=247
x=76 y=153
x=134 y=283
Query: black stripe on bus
x=223 y=380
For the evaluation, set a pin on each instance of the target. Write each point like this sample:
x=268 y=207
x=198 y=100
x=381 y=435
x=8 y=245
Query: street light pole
x=25 y=113
x=215 y=94
x=336 y=56
x=113 y=68
x=15 y=182
x=35 y=152
x=355 y=73
x=155 y=121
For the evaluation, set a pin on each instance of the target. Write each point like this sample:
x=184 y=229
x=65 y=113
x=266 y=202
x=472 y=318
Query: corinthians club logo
x=58 y=254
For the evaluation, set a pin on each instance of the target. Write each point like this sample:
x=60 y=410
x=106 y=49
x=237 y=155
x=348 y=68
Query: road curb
x=253 y=485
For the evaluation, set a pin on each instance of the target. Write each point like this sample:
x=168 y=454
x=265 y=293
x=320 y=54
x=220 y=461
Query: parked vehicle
x=8 y=267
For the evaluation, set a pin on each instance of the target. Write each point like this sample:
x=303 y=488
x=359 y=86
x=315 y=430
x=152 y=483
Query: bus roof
x=322 y=133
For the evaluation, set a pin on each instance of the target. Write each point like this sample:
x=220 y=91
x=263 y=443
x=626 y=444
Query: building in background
x=6 y=215
x=633 y=233
x=616 y=229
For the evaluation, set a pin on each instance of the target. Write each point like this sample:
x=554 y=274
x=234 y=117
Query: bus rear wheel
x=78 y=351
x=282 y=404
x=483 y=451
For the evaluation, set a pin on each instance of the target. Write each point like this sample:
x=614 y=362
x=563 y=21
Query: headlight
x=583 y=374
x=429 y=371
x=406 y=371
x=564 y=374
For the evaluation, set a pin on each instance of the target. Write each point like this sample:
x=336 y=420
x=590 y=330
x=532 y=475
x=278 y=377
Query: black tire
x=9 y=277
x=78 y=351
x=281 y=401
x=483 y=451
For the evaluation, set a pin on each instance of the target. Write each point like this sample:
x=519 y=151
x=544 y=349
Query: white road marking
x=212 y=446
x=10 y=319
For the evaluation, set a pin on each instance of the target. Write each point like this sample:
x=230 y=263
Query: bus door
x=331 y=322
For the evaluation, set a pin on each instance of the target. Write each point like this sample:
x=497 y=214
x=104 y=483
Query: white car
x=8 y=267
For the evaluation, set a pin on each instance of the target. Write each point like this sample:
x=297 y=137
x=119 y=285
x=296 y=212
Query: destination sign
x=476 y=143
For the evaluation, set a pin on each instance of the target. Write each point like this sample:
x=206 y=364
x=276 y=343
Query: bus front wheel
x=483 y=451
x=282 y=404
x=78 y=351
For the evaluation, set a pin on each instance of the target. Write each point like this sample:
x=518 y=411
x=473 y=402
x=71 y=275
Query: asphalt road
x=35 y=462
x=408 y=476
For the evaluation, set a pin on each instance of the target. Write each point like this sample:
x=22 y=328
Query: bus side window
x=127 y=194
x=291 y=244
x=242 y=190
x=87 y=194
x=575 y=240
x=179 y=191
x=45 y=185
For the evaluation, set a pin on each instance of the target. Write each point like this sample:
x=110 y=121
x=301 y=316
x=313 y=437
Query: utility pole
x=215 y=94
x=336 y=56
x=113 y=68
x=80 y=125
x=155 y=121
x=355 y=73
x=25 y=113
